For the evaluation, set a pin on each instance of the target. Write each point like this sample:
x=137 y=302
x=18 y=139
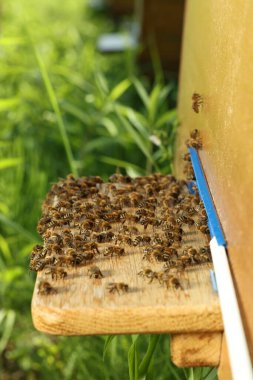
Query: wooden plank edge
x=196 y=349
x=126 y=321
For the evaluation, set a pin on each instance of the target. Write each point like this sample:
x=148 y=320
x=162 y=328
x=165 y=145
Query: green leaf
x=5 y=249
x=7 y=329
x=211 y=375
x=141 y=92
x=77 y=112
x=153 y=103
x=56 y=108
x=133 y=360
x=145 y=363
x=139 y=141
x=9 y=162
x=101 y=83
x=136 y=118
x=11 y=41
x=17 y=227
x=6 y=104
x=9 y=275
x=121 y=164
x=150 y=371
x=110 y=126
x=107 y=344
x=119 y=89
x=167 y=116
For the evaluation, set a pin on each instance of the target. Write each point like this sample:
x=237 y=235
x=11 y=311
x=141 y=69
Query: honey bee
x=194 y=140
x=204 y=229
x=197 y=102
x=119 y=178
x=36 y=265
x=124 y=201
x=114 y=251
x=148 y=273
x=57 y=272
x=44 y=288
x=187 y=157
x=37 y=252
x=205 y=249
x=95 y=272
x=118 y=287
x=171 y=282
x=104 y=237
x=92 y=247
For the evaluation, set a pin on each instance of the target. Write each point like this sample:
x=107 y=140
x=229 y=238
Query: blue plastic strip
x=213 y=220
x=213 y=280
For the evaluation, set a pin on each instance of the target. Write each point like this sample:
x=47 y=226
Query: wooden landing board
x=84 y=306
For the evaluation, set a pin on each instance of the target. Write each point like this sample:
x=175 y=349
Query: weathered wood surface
x=224 y=371
x=196 y=349
x=216 y=63
x=83 y=306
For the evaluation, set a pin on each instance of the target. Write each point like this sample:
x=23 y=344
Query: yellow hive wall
x=217 y=62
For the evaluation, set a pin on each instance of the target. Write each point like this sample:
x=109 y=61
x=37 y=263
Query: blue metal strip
x=213 y=220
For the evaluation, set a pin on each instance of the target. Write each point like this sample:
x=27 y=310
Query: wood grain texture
x=83 y=306
x=224 y=370
x=161 y=29
x=216 y=63
x=196 y=350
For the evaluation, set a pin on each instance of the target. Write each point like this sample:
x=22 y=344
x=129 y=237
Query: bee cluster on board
x=84 y=220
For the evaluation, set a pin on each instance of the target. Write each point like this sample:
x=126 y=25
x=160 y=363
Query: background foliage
x=67 y=108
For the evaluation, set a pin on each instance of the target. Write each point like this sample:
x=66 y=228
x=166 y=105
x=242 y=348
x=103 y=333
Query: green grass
x=66 y=108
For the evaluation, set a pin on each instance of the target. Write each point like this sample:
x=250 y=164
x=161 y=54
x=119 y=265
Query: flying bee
x=114 y=251
x=95 y=272
x=44 y=288
x=118 y=287
x=197 y=102
x=57 y=272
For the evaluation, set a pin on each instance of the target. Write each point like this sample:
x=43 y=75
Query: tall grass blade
x=133 y=361
x=107 y=344
x=141 y=91
x=119 y=89
x=17 y=227
x=145 y=363
x=122 y=164
x=5 y=249
x=167 y=116
x=55 y=106
x=141 y=143
x=7 y=329
x=6 y=104
x=9 y=162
